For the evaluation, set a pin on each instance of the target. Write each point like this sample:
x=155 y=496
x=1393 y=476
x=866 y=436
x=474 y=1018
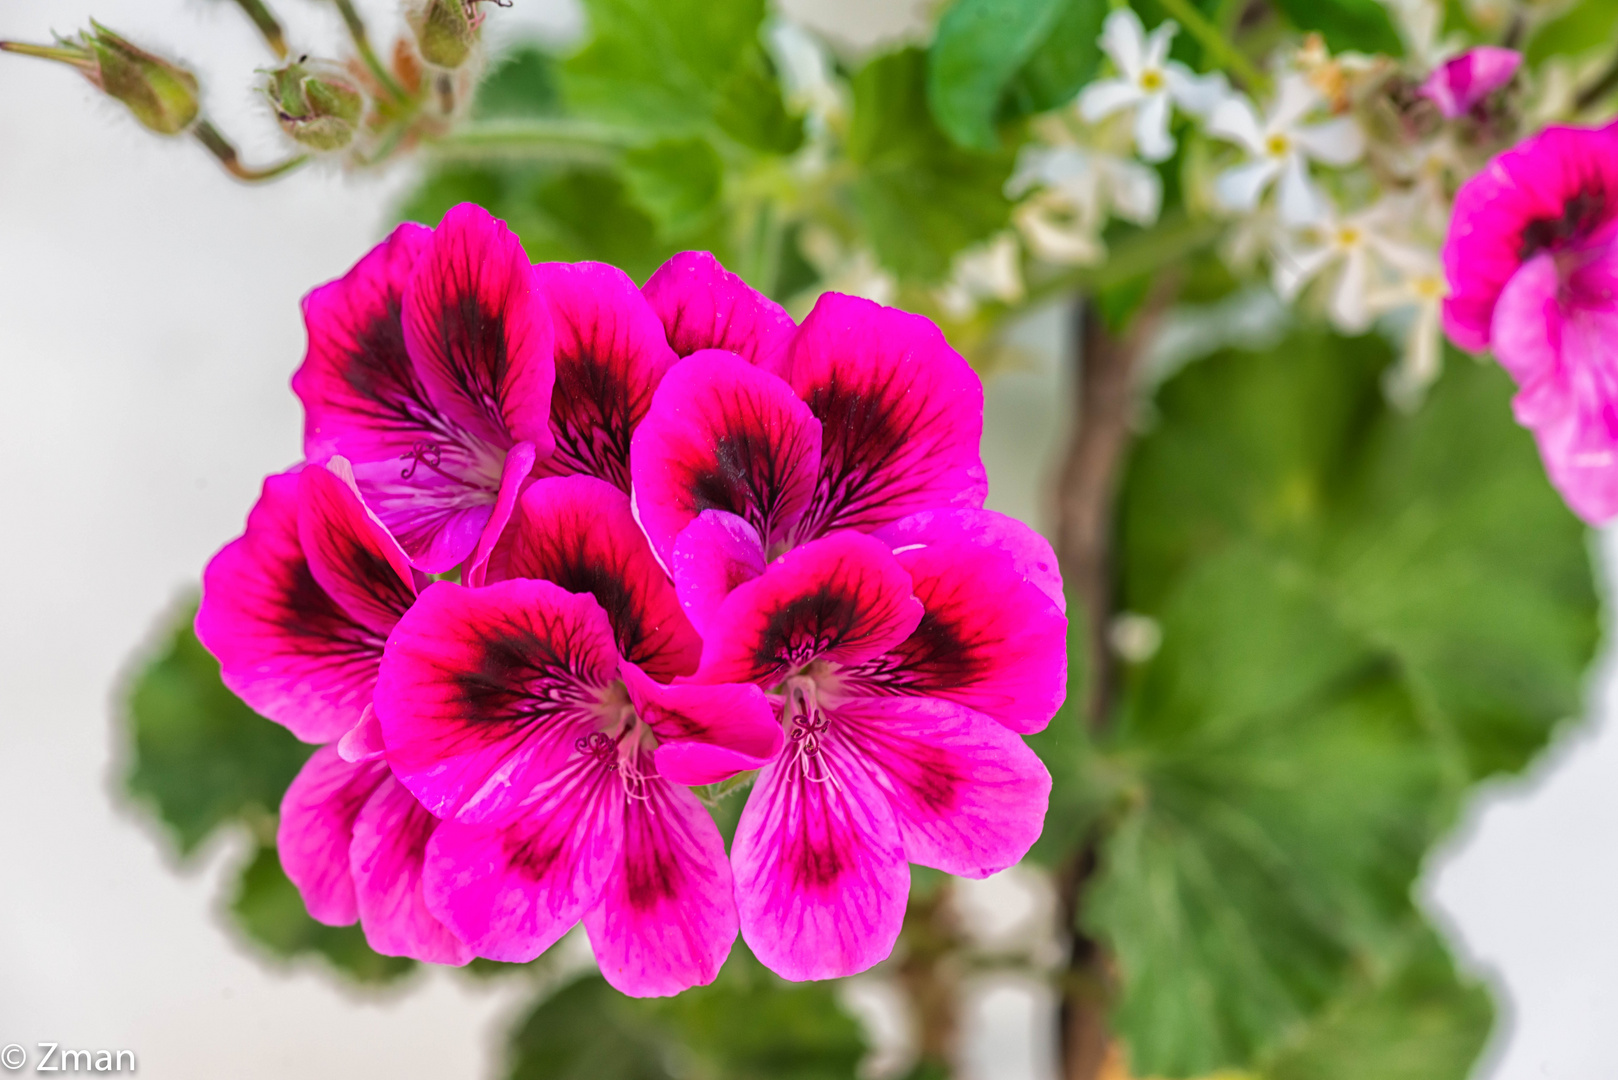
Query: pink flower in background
x=1533 y=274
x=515 y=712
x=430 y=367
x=1459 y=84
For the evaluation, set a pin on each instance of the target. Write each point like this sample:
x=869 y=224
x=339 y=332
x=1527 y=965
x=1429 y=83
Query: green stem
x=1172 y=240
x=221 y=148
x=546 y=140
x=267 y=25
x=45 y=52
x=1218 y=45
x=362 y=45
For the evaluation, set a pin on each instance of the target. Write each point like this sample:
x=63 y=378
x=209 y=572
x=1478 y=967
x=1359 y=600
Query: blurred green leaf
x=1360 y=25
x=982 y=47
x=677 y=181
x=1582 y=28
x=751 y=110
x=748 y=1025
x=268 y=908
x=1416 y=1022
x=922 y=198
x=1362 y=612
x=201 y=757
x=523 y=83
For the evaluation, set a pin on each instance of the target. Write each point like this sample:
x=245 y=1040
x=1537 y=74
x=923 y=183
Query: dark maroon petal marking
x=350 y=553
x=704 y=306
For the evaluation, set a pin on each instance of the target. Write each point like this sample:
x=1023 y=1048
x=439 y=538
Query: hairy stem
x=1106 y=365
x=267 y=24
x=572 y=141
x=362 y=45
x=221 y=148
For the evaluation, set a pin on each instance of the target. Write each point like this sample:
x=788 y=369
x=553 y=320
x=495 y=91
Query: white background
x=148 y=326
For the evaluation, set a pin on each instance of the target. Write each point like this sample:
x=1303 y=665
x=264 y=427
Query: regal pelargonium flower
x=1281 y=145
x=523 y=714
x=1458 y=85
x=704 y=306
x=1148 y=82
x=430 y=368
x=903 y=664
x=298 y=608
x=1533 y=274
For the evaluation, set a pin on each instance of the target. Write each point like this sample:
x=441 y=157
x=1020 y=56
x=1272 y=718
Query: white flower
x=1282 y=146
x=856 y=272
x=1415 y=299
x=989 y=271
x=1362 y=247
x=1147 y=82
x=1076 y=189
x=806 y=74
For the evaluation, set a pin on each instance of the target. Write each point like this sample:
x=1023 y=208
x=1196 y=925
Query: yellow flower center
x=1277 y=145
x=1428 y=286
x=1151 y=80
x=1348 y=236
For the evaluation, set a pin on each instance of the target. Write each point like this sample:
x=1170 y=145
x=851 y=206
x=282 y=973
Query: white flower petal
x=1124 y=39
x=1136 y=191
x=1335 y=142
x=1294 y=268
x=1300 y=203
x=1067 y=242
x=1101 y=99
x=1198 y=95
x=1293 y=99
x=1239 y=188
x=1157 y=44
x=1348 y=308
x=1152 y=128
x=1235 y=120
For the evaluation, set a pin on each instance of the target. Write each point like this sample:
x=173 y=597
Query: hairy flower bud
x=161 y=94
x=317 y=104
x=446 y=30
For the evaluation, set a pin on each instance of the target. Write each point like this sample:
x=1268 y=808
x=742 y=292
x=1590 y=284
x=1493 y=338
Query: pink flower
x=704 y=306
x=522 y=713
x=1533 y=271
x=1458 y=85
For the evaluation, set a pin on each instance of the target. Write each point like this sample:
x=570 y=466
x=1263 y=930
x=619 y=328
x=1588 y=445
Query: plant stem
x=362 y=45
x=221 y=148
x=547 y=140
x=930 y=972
x=1604 y=85
x=45 y=52
x=1175 y=238
x=1218 y=45
x=267 y=25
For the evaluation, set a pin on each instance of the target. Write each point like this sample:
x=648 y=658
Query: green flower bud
x=317 y=104
x=446 y=30
x=161 y=94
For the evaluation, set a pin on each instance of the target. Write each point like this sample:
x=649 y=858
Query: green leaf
x=269 y=909
x=1361 y=25
x=677 y=181
x=748 y=1025
x=751 y=110
x=922 y=198
x=523 y=83
x=1581 y=29
x=201 y=757
x=1362 y=612
x=1416 y=1022
x=983 y=47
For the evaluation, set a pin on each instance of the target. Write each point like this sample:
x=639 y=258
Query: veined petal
x=843 y=598
x=610 y=354
x=1031 y=554
x=316 y=828
x=578 y=532
x=704 y=306
x=969 y=795
x=723 y=435
x=514 y=474
x=438 y=499
x=821 y=877
x=363 y=742
x=360 y=392
x=713 y=555
x=511 y=891
x=484 y=691
x=1526 y=333
x=284 y=646
x=991 y=639
x=706 y=734
x=667 y=917
x=479 y=333
x=901 y=415
x=351 y=554
x=389 y=849
x=1335 y=142
x=1104 y=97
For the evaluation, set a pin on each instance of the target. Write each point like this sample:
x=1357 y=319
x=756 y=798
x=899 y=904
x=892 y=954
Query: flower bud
x=161 y=94
x=317 y=104
x=446 y=30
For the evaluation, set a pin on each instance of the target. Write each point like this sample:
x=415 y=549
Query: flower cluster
x=563 y=550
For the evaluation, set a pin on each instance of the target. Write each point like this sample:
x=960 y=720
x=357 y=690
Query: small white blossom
x=989 y=271
x=1416 y=299
x=807 y=75
x=1282 y=145
x=1148 y=81
x=1076 y=188
x=1363 y=248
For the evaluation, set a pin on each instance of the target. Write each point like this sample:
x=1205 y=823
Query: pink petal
x=610 y=356
x=360 y=392
x=511 y=891
x=713 y=555
x=969 y=795
x=1455 y=87
x=901 y=413
x=707 y=734
x=317 y=827
x=991 y=639
x=483 y=692
x=667 y=919
x=363 y=742
x=438 y=502
x=1031 y=554
x=284 y=646
x=513 y=476
x=704 y=306
x=723 y=435
x=351 y=554
x=578 y=532
x=479 y=333
x=843 y=598
x=821 y=878
x=389 y=848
